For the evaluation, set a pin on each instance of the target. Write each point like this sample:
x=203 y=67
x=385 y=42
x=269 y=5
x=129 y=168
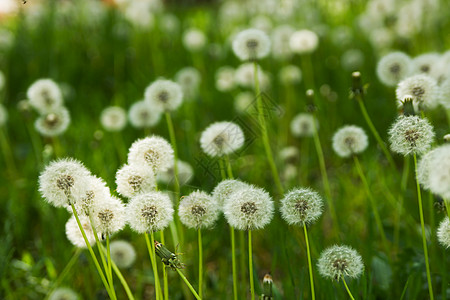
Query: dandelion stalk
x=173 y=141
x=200 y=263
x=311 y=278
x=348 y=290
x=151 y=252
x=233 y=263
x=250 y=264
x=165 y=279
x=108 y=259
x=229 y=169
x=422 y=225
x=188 y=284
x=262 y=123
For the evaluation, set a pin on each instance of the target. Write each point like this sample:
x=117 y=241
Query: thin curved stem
x=151 y=252
x=308 y=251
x=188 y=284
x=229 y=169
x=165 y=279
x=250 y=264
x=108 y=259
x=173 y=141
x=348 y=290
x=200 y=263
x=424 y=239
x=65 y=271
x=233 y=263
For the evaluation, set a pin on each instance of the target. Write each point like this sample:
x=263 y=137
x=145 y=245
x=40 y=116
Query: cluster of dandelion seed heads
x=394 y=67
x=443 y=233
x=164 y=95
x=198 y=210
x=63 y=182
x=153 y=151
x=53 y=123
x=142 y=115
x=303 y=125
x=439 y=172
x=221 y=138
x=109 y=215
x=151 y=211
x=251 y=44
x=113 y=118
x=134 y=179
x=301 y=206
x=225 y=188
x=349 y=140
x=422 y=88
x=338 y=261
x=411 y=134
x=122 y=253
x=249 y=208
x=95 y=190
x=74 y=234
x=45 y=96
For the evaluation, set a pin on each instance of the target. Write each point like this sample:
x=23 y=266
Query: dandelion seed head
x=122 y=253
x=302 y=125
x=198 y=210
x=134 y=179
x=62 y=181
x=280 y=37
x=109 y=215
x=151 y=211
x=245 y=103
x=244 y=76
x=290 y=74
x=444 y=95
x=248 y=208
x=221 y=138
x=74 y=234
x=301 y=206
x=251 y=44
x=304 y=41
x=225 y=79
x=63 y=293
x=225 y=188
x=194 y=40
x=422 y=88
x=95 y=190
x=164 y=95
x=289 y=155
x=443 y=233
x=411 y=134
x=394 y=67
x=425 y=63
x=337 y=262
x=439 y=171
x=139 y=14
x=189 y=79
x=45 y=96
x=153 y=151
x=53 y=123
x=142 y=115
x=185 y=174
x=113 y=118
x=349 y=140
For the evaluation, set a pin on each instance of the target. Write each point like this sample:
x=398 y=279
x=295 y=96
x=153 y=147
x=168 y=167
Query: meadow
x=131 y=92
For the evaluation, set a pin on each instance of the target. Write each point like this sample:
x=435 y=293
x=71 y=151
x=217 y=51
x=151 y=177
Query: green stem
x=108 y=258
x=348 y=290
x=188 y=284
x=229 y=169
x=250 y=264
x=311 y=278
x=173 y=141
x=165 y=279
x=424 y=239
x=372 y=202
x=447 y=207
x=222 y=169
x=151 y=252
x=233 y=263
x=265 y=136
x=200 y=263
x=375 y=132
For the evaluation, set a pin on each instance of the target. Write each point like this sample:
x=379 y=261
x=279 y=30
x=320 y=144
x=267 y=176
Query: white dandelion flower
x=63 y=293
x=289 y=155
x=63 y=182
x=443 y=233
x=444 y=96
x=261 y=22
x=290 y=74
x=337 y=262
x=394 y=67
x=53 y=123
x=122 y=253
x=134 y=179
x=411 y=134
x=245 y=102
x=153 y=151
x=185 y=174
x=281 y=37
x=221 y=138
x=422 y=88
x=244 y=76
x=349 y=140
x=109 y=216
x=249 y=208
x=142 y=115
x=225 y=81
x=194 y=40
x=225 y=188
x=301 y=206
x=251 y=44
x=304 y=41
x=198 y=210
x=95 y=190
x=45 y=96
x=139 y=14
x=439 y=172
x=151 y=211
x=303 y=125
x=3 y=115
x=74 y=234
x=164 y=95
x=113 y=118
x=426 y=63
x=423 y=169
x=189 y=79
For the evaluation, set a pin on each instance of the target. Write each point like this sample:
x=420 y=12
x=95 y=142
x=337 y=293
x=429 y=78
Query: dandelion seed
x=153 y=151
x=109 y=215
x=63 y=182
x=349 y=140
x=134 y=179
x=225 y=188
x=142 y=115
x=304 y=41
x=185 y=174
x=113 y=118
x=122 y=253
x=411 y=134
x=249 y=208
x=74 y=234
x=151 y=211
x=394 y=67
x=198 y=210
x=302 y=125
x=45 y=96
x=63 y=294
x=221 y=138
x=194 y=40
x=301 y=206
x=443 y=233
x=336 y=262
x=251 y=44
x=53 y=123
x=164 y=95
x=422 y=88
